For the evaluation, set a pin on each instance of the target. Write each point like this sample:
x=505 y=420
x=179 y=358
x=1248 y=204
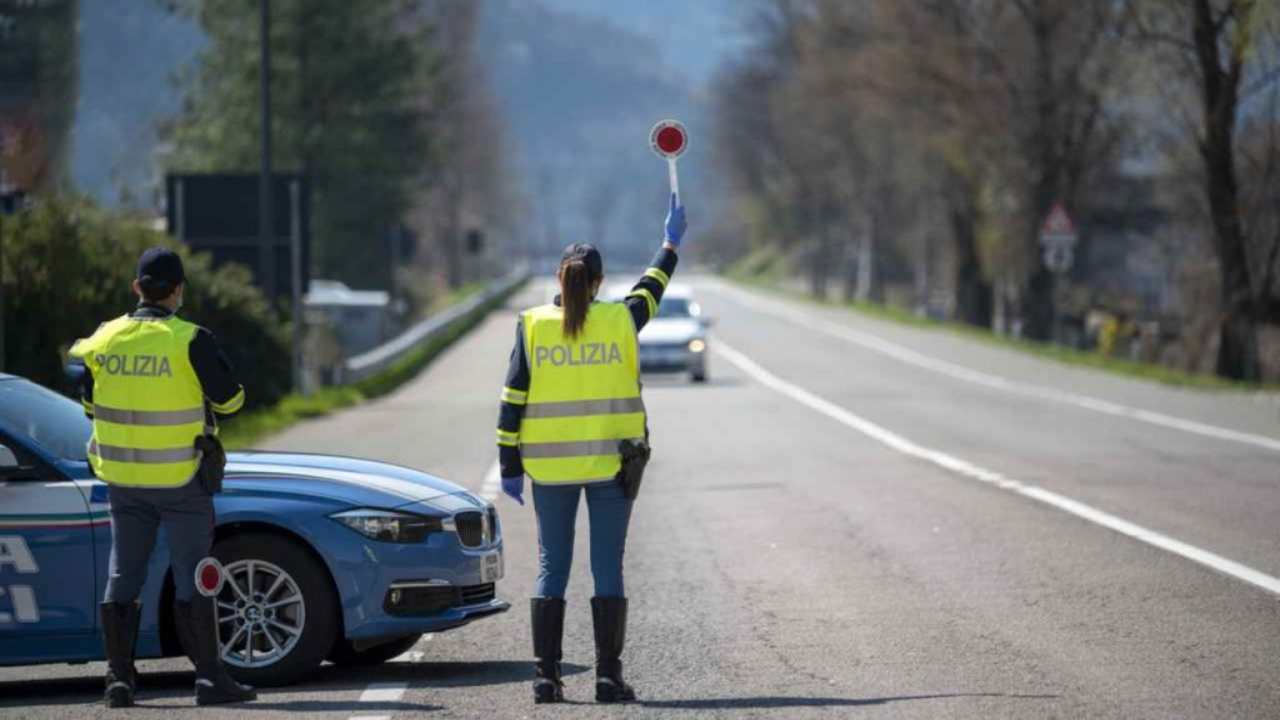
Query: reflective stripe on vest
x=578 y=408
x=572 y=448
x=148 y=417
x=148 y=404
x=138 y=455
x=583 y=397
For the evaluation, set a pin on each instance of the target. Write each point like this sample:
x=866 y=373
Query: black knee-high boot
x=119 y=636
x=547 y=619
x=198 y=633
x=609 y=615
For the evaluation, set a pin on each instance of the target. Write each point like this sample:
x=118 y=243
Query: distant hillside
x=580 y=94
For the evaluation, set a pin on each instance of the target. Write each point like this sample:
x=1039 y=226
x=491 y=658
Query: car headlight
x=389 y=525
x=697 y=345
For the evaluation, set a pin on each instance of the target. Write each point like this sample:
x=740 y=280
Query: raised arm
x=644 y=298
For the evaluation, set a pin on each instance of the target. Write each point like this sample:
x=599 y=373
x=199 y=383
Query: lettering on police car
x=581 y=354
x=15 y=554
x=140 y=365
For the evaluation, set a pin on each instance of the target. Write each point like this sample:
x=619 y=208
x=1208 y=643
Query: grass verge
x=1057 y=353
x=245 y=429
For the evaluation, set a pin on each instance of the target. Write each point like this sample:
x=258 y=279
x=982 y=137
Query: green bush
x=68 y=266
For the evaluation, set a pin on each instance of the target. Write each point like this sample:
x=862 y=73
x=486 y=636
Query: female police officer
x=572 y=395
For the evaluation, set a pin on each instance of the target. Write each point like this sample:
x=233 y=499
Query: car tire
x=345 y=655
x=269 y=554
x=699 y=376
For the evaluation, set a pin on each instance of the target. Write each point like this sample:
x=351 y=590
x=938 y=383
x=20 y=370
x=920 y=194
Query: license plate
x=491 y=567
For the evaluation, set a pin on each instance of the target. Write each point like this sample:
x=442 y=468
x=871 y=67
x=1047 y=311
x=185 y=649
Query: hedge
x=68 y=266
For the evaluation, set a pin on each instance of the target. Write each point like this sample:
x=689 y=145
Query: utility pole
x=266 y=226
x=9 y=201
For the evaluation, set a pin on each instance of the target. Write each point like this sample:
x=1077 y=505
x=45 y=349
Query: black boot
x=119 y=635
x=610 y=619
x=547 y=619
x=199 y=636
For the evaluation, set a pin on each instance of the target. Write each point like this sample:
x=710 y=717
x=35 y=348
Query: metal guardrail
x=371 y=362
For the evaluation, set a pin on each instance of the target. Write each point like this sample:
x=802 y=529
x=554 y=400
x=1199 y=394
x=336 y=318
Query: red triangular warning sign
x=1058 y=222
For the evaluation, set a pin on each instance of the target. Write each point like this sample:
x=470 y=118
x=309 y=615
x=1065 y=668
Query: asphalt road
x=852 y=519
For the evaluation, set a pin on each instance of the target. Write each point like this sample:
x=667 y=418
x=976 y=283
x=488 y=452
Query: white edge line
x=977 y=377
x=962 y=467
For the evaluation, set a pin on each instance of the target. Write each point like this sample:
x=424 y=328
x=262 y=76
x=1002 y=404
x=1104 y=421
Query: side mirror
x=8 y=461
x=11 y=469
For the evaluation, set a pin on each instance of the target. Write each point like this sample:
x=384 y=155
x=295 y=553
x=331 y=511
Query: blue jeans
x=556 y=507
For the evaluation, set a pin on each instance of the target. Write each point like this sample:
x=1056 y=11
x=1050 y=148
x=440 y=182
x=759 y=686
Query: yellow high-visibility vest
x=148 y=405
x=584 y=395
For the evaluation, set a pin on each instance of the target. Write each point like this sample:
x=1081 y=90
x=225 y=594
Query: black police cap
x=160 y=266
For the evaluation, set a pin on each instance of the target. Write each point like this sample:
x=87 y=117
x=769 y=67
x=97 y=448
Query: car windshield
x=44 y=417
x=674 y=308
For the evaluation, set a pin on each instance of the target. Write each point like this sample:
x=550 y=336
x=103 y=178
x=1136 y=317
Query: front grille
x=420 y=600
x=470 y=528
x=476 y=594
x=432 y=599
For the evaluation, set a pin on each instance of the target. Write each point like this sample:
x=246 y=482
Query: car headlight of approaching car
x=697 y=345
x=389 y=525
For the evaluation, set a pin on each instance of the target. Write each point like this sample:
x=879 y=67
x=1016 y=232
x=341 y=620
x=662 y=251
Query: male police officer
x=151 y=386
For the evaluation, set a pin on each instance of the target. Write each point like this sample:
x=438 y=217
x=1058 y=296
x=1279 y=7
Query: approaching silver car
x=675 y=340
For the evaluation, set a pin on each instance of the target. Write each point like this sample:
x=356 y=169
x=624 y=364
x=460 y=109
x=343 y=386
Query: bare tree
x=1217 y=47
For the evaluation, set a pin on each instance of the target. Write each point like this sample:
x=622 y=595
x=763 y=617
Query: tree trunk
x=1037 y=303
x=868 y=280
x=819 y=259
x=1238 y=333
x=974 y=295
x=849 y=286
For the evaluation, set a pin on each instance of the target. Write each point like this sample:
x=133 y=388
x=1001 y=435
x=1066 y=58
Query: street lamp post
x=266 y=228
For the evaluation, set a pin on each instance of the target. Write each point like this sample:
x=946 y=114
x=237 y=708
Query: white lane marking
x=967 y=469
x=384 y=692
x=492 y=483
x=977 y=377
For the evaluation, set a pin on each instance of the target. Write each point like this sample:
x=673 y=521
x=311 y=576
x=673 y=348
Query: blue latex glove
x=513 y=487
x=675 y=222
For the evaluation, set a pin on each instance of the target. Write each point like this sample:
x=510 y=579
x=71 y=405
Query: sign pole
x=295 y=282
x=674 y=176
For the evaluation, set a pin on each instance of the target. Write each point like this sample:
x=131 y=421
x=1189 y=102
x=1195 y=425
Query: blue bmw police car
x=326 y=557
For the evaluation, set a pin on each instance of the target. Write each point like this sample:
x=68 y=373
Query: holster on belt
x=635 y=455
x=213 y=462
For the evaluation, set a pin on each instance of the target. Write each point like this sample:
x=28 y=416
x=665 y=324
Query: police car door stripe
x=138 y=455
x=570 y=449
x=148 y=417
x=577 y=408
